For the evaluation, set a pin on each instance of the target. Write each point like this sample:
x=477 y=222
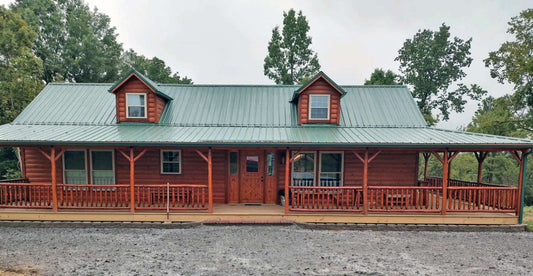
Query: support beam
x=426 y=163
x=132 y=158
x=445 y=178
x=287 y=168
x=210 y=180
x=55 y=203
x=522 y=185
x=366 y=160
x=480 y=156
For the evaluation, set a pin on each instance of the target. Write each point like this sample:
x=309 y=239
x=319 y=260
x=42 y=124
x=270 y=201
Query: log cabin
x=140 y=150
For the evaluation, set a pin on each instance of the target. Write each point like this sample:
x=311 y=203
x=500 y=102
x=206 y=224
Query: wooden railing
x=90 y=196
x=322 y=199
x=403 y=199
x=172 y=196
x=437 y=182
x=482 y=199
x=25 y=195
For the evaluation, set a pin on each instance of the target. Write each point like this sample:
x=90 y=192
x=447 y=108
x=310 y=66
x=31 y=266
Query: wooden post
x=132 y=181
x=54 y=179
x=426 y=163
x=445 y=176
x=210 y=180
x=287 y=168
x=366 y=160
x=480 y=158
x=522 y=161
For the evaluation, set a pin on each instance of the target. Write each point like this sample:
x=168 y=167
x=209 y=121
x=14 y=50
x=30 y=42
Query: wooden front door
x=252 y=164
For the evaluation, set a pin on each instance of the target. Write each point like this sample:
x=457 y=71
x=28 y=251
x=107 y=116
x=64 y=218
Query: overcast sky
x=225 y=42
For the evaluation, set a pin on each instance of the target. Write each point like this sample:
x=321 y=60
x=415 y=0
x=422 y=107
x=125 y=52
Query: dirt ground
x=261 y=250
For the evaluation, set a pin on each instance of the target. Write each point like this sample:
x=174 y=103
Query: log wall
x=319 y=87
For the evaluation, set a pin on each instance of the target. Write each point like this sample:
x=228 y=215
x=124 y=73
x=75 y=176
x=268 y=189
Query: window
x=102 y=167
x=233 y=163
x=270 y=163
x=136 y=105
x=303 y=169
x=318 y=107
x=74 y=167
x=331 y=164
x=170 y=161
x=252 y=163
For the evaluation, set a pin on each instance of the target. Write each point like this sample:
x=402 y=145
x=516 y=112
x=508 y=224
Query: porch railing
x=90 y=196
x=25 y=195
x=172 y=196
x=482 y=199
x=404 y=199
x=318 y=198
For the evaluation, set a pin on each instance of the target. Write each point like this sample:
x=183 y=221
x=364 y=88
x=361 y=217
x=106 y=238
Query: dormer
x=138 y=99
x=319 y=101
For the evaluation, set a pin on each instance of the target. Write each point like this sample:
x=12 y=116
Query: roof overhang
x=147 y=82
x=319 y=76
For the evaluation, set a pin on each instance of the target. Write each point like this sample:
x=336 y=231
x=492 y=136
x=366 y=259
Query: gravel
x=262 y=250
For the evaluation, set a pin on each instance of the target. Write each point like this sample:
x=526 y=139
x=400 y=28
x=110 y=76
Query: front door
x=252 y=176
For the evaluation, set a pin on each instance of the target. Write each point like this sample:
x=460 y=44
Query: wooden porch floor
x=241 y=213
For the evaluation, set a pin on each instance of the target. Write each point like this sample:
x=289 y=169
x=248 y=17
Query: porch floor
x=267 y=213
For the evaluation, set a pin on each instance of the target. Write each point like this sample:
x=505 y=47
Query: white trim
x=112 y=160
x=145 y=107
x=314 y=165
x=310 y=103
x=342 y=165
x=85 y=160
x=161 y=161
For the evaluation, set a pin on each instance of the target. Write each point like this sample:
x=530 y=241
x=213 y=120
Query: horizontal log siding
x=154 y=103
x=319 y=87
x=38 y=167
x=388 y=169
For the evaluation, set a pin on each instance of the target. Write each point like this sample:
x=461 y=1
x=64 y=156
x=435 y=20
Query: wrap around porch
x=304 y=190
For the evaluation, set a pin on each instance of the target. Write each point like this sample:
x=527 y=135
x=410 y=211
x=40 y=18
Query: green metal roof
x=146 y=80
x=236 y=115
x=223 y=105
x=136 y=134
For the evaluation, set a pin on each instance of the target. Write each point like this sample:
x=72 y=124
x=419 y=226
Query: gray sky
x=225 y=42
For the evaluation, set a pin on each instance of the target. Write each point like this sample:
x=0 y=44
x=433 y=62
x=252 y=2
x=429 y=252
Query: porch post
x=54 y=179
x=445 y=176
x=132 y=181
x=426 y=163
x=287 y=168
x=210 y=180
x=365 y=183
x=522 y=186
x=480 y=158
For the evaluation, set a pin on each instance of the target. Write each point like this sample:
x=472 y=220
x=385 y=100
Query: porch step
x=413 y=227
x=222 y=222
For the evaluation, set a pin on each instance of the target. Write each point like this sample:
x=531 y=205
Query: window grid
x=171 y=164
x=319 y=107
x=142 y=105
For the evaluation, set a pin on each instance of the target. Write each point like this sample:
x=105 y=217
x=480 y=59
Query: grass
x=528 y=217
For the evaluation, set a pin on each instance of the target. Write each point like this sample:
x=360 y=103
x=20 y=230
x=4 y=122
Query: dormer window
x=319 y=107
x=136 y=105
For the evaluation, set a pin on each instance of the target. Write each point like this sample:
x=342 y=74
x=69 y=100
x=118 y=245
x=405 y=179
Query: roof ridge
x=228 y=85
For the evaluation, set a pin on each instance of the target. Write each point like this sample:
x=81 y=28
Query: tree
x=20 y=78
x=431 y=62
x=74 y=43
x=497 y=117
x=380 y=77
x=513 y=63
x=290 y=58
x=154 y=68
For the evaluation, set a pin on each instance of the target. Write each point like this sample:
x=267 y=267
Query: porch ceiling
x=135 y=134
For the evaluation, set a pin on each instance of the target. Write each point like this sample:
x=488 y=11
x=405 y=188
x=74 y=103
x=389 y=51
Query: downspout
x=524 y=182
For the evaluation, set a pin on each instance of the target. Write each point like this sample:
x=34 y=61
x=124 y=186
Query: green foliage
x=497 y=117
x=380 y=77
x=431 y=62
x=9 y=165
x=513 y=63
x=290 y=58
x=154 y=68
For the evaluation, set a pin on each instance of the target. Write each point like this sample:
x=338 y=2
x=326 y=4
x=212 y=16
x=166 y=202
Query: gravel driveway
x=266 y=250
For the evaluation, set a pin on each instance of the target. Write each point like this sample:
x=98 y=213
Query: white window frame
x=145 y=107
x=314 y=166
x=320 y=165
x=64 y=167
x=311 y=104
x=113 y=162
x=161 y=161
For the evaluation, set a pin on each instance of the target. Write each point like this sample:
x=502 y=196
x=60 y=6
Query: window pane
x=76 y=177
x=319 y=113
x=102 y=160
x=134 y=99
x=103 y=177
x=252 y=163
x=173 y=156
x=304 y=169
x=135 y=111
x=331 y=162
x=330 y=179
x=171 y=167
x=233 y=163
x=74 y=160
x=319 y=101
x=270 y=163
